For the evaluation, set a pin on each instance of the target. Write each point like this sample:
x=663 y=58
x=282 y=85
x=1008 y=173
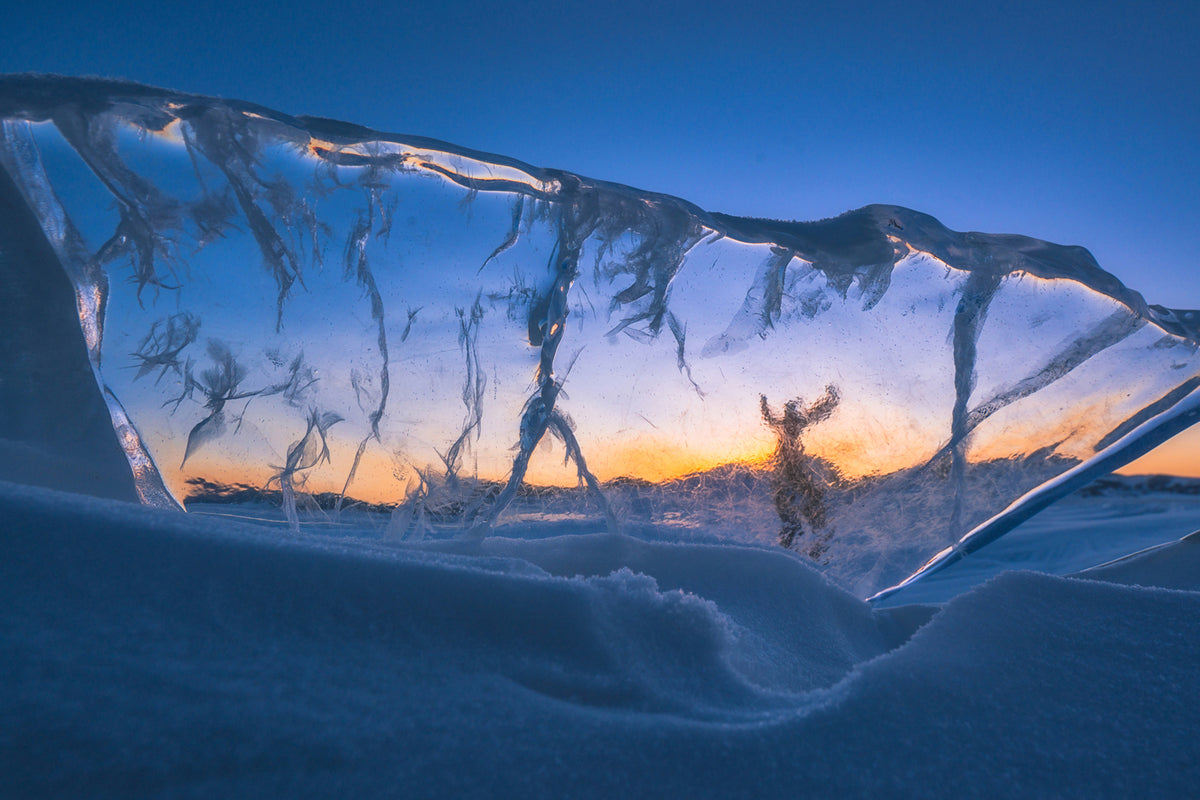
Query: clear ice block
x=319 y=317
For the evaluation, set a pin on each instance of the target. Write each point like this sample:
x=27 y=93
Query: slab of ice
x=310 y=315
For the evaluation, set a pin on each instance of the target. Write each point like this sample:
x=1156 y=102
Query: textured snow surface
x=148 y=653
x=315 y=315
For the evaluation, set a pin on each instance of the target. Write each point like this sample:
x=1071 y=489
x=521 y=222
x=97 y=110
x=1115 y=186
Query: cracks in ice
x=309 y=451
x=474 y=384
x=162 y=346
x=514 y=232
x=220 y=384
x=232 y=147
x=972 y=309
x=358 y=267
x=144 y=210
x=666 y=236
x=547 y=323
x=1109 y=332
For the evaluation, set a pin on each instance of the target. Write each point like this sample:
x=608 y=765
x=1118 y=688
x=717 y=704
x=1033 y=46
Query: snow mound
x=602 y=632
x=1174 y=565
x=1030 y=685
x=151 y=653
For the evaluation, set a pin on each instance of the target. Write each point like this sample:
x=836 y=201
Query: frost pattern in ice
x=319 y=317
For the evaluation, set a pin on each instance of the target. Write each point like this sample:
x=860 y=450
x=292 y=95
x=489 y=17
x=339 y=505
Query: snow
x=1173 y=565
x=151 y=653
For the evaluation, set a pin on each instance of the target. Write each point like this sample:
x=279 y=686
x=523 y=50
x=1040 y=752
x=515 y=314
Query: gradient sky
x=1078 y=123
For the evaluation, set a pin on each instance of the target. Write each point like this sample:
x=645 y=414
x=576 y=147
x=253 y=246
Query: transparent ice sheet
x=313 y=316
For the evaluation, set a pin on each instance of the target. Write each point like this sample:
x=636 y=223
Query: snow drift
x=153 y=653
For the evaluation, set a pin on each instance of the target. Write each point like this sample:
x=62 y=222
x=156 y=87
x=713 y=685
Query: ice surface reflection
x=314 y=315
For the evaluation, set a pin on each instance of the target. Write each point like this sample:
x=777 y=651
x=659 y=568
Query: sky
x=1076 y=123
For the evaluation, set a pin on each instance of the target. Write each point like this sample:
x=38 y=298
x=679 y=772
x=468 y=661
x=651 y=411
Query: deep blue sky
x=1074 y=122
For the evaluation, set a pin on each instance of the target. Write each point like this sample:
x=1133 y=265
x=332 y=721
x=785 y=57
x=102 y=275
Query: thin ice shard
x=505 y=345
